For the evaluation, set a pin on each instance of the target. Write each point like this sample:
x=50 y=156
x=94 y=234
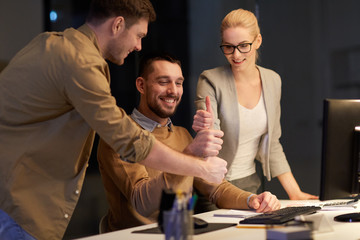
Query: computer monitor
x=340 y=149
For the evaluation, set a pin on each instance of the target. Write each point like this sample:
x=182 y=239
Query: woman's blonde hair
x=241 y=18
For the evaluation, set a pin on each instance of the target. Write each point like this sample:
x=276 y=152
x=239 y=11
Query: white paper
x=236 y=214
x=338 y=208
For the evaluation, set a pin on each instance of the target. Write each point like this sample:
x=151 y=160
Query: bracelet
x=248 y=199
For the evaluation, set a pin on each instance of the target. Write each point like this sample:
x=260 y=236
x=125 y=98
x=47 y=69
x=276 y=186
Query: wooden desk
x=342 y=231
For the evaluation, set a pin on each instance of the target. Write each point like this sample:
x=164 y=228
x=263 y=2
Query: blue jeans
x=10 y=230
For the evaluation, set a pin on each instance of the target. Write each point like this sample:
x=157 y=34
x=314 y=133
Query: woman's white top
x=253 y=124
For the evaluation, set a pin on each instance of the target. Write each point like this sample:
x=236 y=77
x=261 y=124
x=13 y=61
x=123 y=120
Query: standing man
x=133 y=190
x=54 y=96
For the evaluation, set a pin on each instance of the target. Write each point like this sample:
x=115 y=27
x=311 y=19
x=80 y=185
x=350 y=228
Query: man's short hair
x=147 y=60
x=131 y=10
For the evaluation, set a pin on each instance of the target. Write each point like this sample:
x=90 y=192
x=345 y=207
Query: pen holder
x=178 y=225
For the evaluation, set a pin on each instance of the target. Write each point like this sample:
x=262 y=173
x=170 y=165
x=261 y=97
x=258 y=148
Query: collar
x=147 y=123
x=87 y=31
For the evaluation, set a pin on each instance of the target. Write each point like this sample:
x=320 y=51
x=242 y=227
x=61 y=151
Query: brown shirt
x=133 y=190
x=54 y=95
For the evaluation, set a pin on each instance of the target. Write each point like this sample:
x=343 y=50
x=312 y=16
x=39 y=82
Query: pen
x=259 y=227
x=192 y=202
x=353 y=201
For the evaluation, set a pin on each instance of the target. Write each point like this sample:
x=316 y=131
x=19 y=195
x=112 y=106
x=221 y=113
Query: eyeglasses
x=242 y=47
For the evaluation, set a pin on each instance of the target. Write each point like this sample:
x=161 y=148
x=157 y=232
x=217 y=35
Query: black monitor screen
x=340 y=149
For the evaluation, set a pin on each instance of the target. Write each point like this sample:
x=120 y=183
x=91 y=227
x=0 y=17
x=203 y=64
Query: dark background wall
x=313 y=44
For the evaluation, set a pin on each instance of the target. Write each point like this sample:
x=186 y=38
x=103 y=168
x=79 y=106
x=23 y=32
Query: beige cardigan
x=219 y=85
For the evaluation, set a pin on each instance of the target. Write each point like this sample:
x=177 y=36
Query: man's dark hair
x=147 y=60
x=131 y=10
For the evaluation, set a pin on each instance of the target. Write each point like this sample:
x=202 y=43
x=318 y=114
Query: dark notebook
x=211 y=227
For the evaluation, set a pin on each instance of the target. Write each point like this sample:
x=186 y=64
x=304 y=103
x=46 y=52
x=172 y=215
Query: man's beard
x=155 y=108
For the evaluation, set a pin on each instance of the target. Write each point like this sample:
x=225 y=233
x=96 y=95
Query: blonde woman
x=245 y=104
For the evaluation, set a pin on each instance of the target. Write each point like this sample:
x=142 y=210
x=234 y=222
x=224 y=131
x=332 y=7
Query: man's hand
x=207 y=143
x=264 y=202
x=214 y=169
x=204 y=119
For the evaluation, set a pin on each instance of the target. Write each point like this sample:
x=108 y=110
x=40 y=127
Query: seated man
x=133 y=190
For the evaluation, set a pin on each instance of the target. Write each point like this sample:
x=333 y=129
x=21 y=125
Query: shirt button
x=66 y=216
x=77 y=192
x=159 y=125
